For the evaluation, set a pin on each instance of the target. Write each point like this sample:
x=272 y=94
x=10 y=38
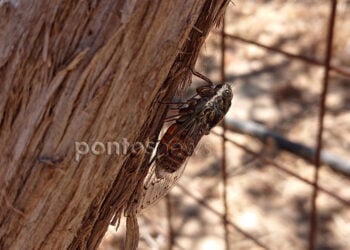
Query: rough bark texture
x=84 y=71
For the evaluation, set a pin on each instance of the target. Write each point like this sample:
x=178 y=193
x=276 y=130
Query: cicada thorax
x=218 y=105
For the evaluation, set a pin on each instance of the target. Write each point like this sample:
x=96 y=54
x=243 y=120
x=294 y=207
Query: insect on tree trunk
x=84 y=73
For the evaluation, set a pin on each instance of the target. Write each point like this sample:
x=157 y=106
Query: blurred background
x=275 y=53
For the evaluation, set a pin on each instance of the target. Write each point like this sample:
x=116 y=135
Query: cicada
x=196 y=117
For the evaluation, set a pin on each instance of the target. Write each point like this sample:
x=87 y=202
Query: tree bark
x=84 y=71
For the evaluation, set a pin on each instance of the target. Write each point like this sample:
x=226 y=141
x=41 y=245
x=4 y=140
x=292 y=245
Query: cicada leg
x=203 y=77
x=172 y=103
x=206 y=90
x=178 y=104
x=171 y=118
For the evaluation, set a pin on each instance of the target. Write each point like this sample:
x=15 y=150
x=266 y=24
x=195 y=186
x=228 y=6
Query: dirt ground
x=282 y=94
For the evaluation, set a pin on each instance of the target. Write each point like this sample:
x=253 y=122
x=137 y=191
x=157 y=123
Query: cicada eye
x=227 y=92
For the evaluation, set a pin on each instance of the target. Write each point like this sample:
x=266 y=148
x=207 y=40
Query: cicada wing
x=154 y=188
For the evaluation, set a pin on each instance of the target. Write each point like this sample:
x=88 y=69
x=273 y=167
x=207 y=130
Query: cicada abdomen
x=195 y=119
x=173 y=150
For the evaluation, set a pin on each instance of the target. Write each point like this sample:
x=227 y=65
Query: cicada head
x=226 y=93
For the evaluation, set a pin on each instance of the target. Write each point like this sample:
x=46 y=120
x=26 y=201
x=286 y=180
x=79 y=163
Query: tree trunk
x=76 y=72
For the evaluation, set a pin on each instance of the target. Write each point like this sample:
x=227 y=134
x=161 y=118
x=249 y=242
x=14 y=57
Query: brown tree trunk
x=84 y=71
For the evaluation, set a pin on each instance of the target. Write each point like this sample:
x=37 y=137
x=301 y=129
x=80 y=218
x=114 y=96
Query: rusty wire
x=322 y=111
x=337 y=69
x=171 y=234
x=223 y=157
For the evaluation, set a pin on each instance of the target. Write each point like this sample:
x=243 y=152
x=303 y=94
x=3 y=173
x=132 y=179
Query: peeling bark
x=84 y=71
